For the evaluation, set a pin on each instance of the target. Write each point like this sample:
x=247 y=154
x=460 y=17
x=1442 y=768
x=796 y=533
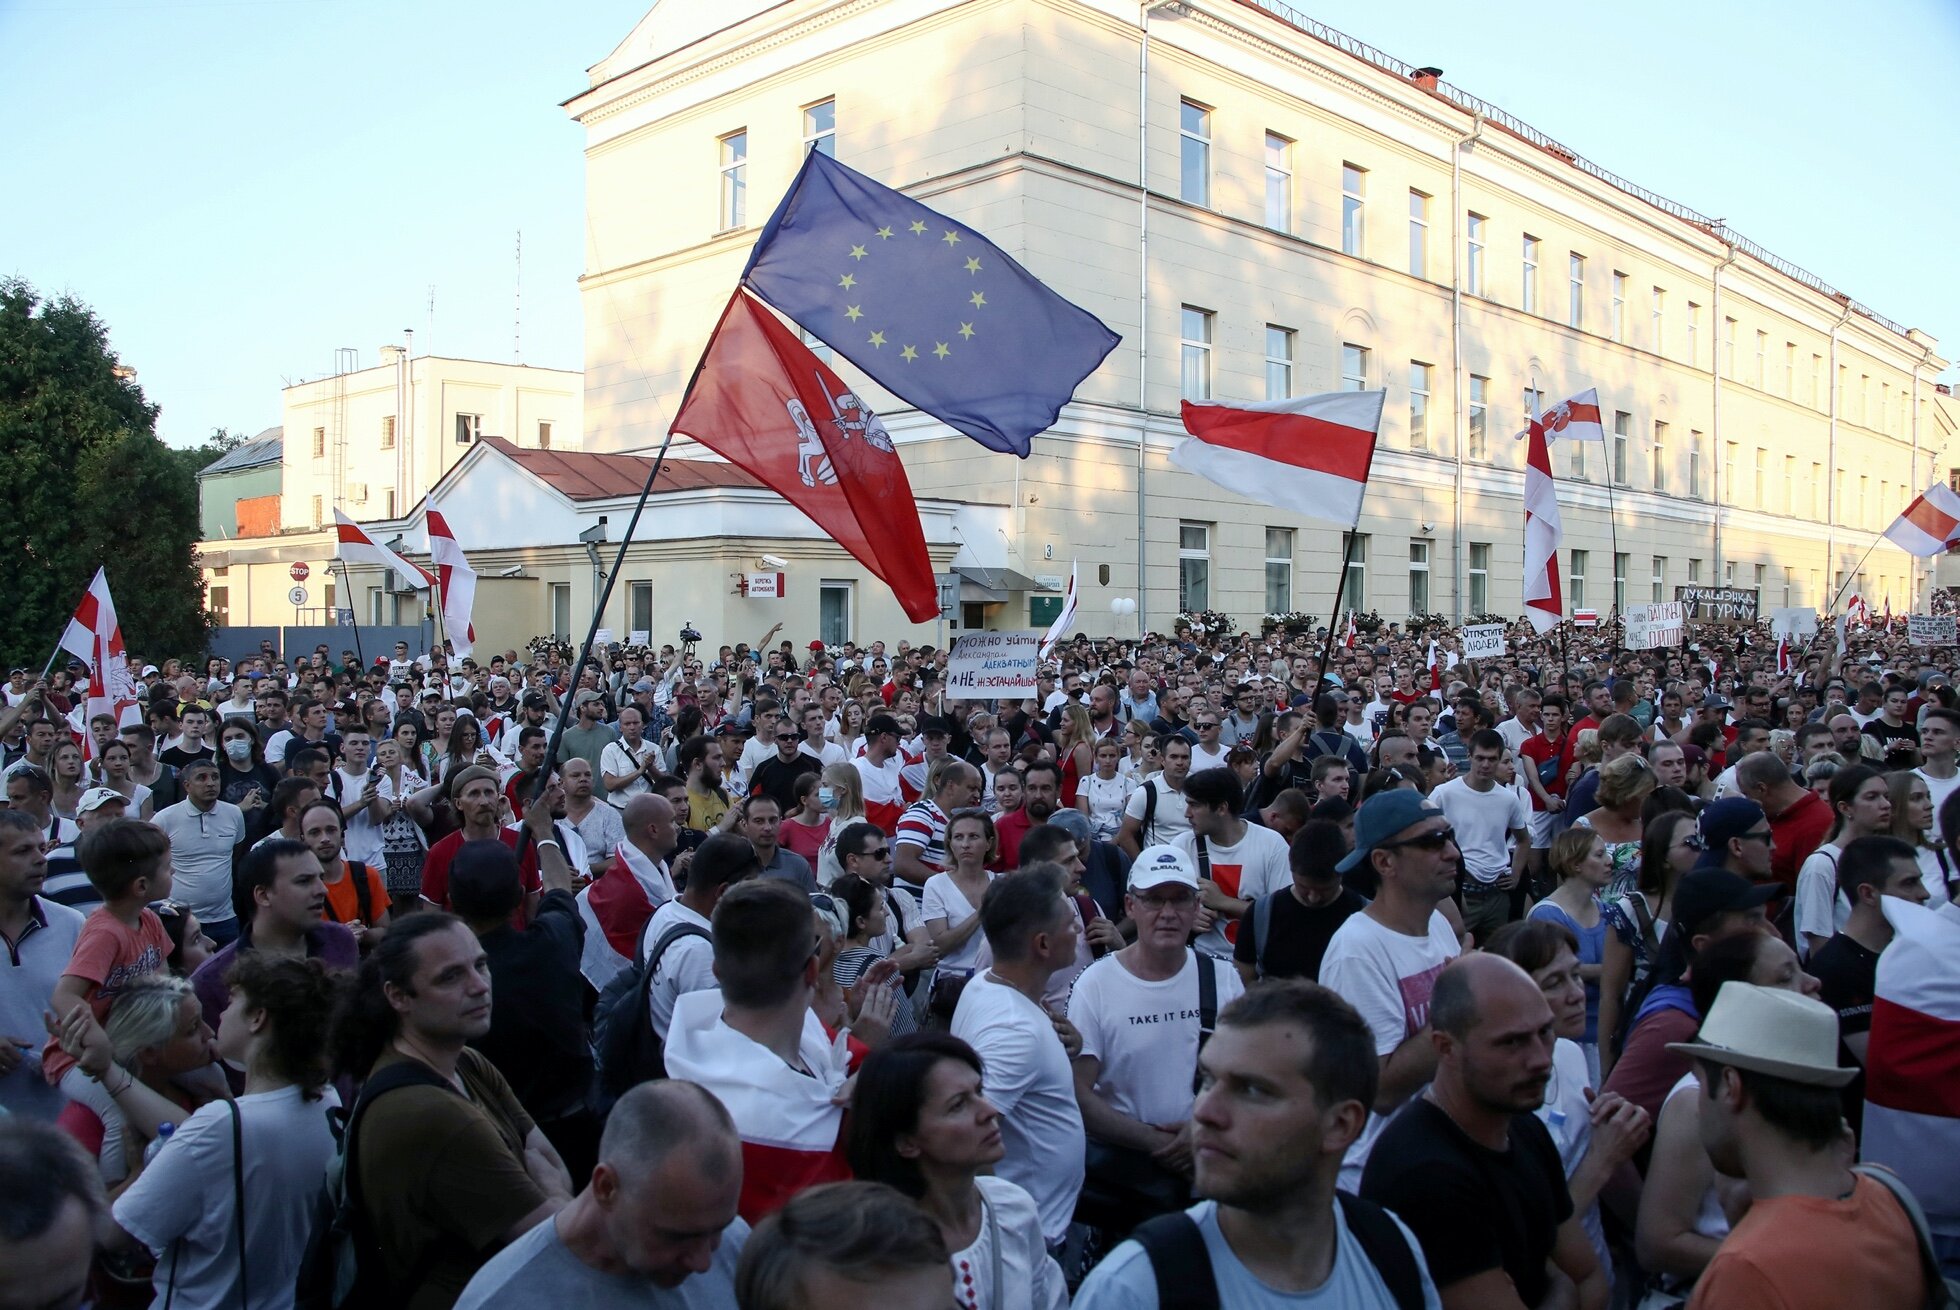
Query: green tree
x=87 y=484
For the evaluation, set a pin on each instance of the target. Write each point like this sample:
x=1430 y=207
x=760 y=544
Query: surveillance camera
x=775 y=561
x=514 y=571
x=1428 y=528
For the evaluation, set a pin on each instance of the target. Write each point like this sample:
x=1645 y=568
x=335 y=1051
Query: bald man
x=659 y=1213
x=1470 y=1168
x=620 y=902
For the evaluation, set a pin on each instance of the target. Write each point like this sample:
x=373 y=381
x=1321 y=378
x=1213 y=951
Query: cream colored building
x=1316 y=216
x=374 y=440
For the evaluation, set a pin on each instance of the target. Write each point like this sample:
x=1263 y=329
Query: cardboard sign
x=1652 y=626
x=765 y=586
x=986 y=665
x=639 y=637
x=603 y=637
x=1585 y=618
x=1798 y=624
x=1483 y=642
x=1718 y=604
x=1931 y=630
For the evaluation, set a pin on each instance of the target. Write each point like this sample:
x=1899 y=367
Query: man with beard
x=473 y=791
x=1469 y=1166
x=700 y=763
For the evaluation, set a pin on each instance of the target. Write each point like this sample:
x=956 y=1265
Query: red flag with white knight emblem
x=763 y=401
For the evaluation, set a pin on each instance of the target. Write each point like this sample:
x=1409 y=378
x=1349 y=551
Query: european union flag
x=928 y=307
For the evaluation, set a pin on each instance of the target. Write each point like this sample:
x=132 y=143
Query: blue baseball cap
x=1723 y=820
x=1381 y=817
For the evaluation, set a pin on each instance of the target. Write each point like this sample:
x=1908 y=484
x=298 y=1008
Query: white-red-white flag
x=1577 y=419
x=1309 y=454
x=95 y=637
x=356 y=545
x=1888 y=612
x=1930 y=525
x=1912 y=1060
x=1859 y=612
x=1435 y=668
x=455 y=583
x=1059 y=628
x=1543 y=532
x=1349 y=643
x=1783 y=661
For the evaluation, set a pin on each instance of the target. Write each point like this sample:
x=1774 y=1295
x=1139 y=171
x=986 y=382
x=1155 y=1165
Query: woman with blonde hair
x=840 y=791
x=1624 y=786
x=1578 y=860
x=951 y=905
x=1912 y=818
x=1074 y=750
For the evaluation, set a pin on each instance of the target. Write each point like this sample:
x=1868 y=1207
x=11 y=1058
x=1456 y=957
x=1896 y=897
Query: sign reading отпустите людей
x=985 y=665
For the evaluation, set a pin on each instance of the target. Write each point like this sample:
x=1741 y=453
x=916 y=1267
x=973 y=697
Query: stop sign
x=299 y=572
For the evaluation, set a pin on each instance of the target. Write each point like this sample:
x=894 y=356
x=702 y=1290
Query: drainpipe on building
x=1912 y=594
x=1143 y=304
x=1830 y=492
x=407 y=440
x=1458 y=580
x=1720 y=578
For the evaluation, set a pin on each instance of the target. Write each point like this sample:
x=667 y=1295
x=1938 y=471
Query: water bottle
x=163 y=1135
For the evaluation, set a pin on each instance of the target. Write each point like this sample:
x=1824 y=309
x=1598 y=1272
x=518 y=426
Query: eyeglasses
x=882 y=853
x=1158 y=902
x=1694 y=842
x=1427 y=841
x=1202 y=726
x=1766 y=837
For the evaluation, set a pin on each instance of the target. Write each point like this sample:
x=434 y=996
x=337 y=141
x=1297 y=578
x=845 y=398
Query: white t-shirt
x=618 y=758
x=1106 y=799
x=1821 y=910
x=1387 y=976
x=1170 y=818
x=1204 y=759
x=881 y=782
x=1941 y=788
x=943 y=899
x=687 y=966
x=1483 y=822
x=1567 y=1115
x=1029 y=1081
x=361 y=836
x=1257 y=865
x=1146 y=1033
x=186 y=1192
x=1515 y=734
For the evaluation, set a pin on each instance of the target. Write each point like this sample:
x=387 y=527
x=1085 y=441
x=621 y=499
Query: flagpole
x=1851 y=578
x=1333 y=619
x=352 y=611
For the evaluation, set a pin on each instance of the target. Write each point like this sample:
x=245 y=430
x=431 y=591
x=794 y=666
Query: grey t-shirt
x=1126 y=1281
x=791 y=868
x=538 y=1270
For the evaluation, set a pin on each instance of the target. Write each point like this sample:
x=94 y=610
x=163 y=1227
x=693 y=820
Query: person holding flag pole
x=1309 y=454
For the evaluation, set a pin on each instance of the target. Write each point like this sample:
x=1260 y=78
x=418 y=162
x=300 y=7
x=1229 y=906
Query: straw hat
x=1770 y=1031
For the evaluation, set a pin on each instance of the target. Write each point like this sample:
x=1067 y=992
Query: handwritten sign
x=1931 y=630
x=1718 y=604
x=1798 y=624
x=1649 y=627
x=986 y=665
x=1485 y=641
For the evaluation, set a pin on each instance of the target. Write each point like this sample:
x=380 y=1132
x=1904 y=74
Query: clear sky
x=238 y=187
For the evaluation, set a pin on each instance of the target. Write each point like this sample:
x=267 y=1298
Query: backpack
x=363 y=894
x=341 y=1268
x=629 y=1051
x=1941 y=1291
x=1149 y=812
x=1182 y=1265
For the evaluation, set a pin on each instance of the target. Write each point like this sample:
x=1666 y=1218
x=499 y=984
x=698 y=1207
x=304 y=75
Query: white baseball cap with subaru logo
x=1160 y=865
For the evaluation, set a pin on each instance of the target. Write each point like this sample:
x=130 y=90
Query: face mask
x=827 y=797
x=238 y=750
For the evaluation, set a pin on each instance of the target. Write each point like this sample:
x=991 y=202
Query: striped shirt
x=924 y=825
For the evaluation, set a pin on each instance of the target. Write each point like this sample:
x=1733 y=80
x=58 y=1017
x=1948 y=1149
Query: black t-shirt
x=234 y=785
x=537 y=1036
x=1297 y=940
x=1472 y=1209
x=177 y=757
x=1886 y=734
x=775 y=779
x=1847 y=974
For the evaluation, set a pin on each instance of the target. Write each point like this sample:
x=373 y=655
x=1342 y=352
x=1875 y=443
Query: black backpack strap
x=1207 y=1007
x=675 y=931
x=1204 y=857
x=1179 y=1261
x=1386 y=1247
x=402 y=1073
x=1149 y=811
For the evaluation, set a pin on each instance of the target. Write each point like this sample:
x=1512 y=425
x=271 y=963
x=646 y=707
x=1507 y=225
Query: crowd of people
x=775 y=977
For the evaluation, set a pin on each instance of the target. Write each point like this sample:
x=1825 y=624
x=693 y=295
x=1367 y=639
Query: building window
x=1354 y=549
x=1789 y=585
x=1418 y=234
x=816 y=344
x=388 y=503
x=1660 y=456
x=1576 y=566
x=1694 y=464
x=1480 y=577
x=1528 y=295
x=388 y=432
x=1193 y=567
x=1694 y=335
x=1728 y=347
x=1728 y=573
x=319 y=443
x=1194 y=354
x=834 y=610
x=469 y=429
x=1727 y=486
x=319 y=512
x=1790 y=369
x=1789 y=484
x=544 y=435
x=1694 y=571
x=1418 y=577
x=1619 y=305
x=1473 y=270
x=1816 y=381
x=1279 y=570
x=1194 y=152
x=1279 y=183
x=1419 y=373
x=1622 y=438
x=639 y=608
x=820 y=128
x=1762 y=478
x=1857 y=519
x=1657 y=317
x=1354 y=367
x=221 y=606
x=734 y=179
x=1816 y=492
x=1620 y=583
x=1354 y=209
x=1575 y=292
x=1762 y=367
x=1659 y=593
x=1479 y=417
x=1279 y=362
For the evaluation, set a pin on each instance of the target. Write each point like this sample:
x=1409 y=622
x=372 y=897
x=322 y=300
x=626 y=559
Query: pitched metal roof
x=266 y=448
x=582 y=475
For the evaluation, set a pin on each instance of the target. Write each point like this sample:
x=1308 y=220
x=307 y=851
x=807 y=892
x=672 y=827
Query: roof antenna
x=517 y=313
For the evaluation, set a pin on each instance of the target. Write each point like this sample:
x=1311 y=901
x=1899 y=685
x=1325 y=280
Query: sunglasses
x=882 y=852
x=1428 y=841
